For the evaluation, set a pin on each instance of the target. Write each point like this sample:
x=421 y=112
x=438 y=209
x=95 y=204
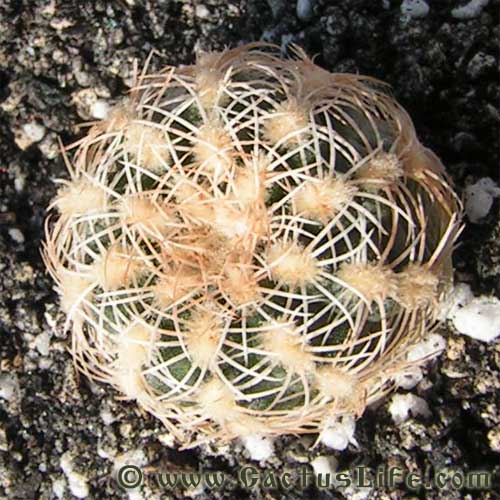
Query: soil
x=62 y=436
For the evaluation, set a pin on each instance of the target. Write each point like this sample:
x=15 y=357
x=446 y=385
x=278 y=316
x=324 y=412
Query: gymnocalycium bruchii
x=251 y=244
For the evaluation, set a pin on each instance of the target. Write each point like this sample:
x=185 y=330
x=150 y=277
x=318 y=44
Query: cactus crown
x=251 y=244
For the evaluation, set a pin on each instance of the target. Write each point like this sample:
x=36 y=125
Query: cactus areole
x=251 y=245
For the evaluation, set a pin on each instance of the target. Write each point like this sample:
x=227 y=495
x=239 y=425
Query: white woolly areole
x=147 y=145
x=174 y=285
x=470 y=10
x=133 y=347
x=74 y=289
x=78 y=484
x=80 y=197
x=458 y=296
x=141 y=210
x=116 y=268
x=286 y=345
x=292 y=264
x=210 y=81
x=240 y=284
x=403 y=406
x=372 y=281
x=214 y=150
x=259 y=447
x=417 y=287
x=203 y=334
x=339 y=432
x=323 y=198
x=230 y=222
x=249 y=185
x=288 y=123
x=334 y=383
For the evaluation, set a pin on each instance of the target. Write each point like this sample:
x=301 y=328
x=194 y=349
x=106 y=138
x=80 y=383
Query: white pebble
x=135 y=457
x=258 y=447
x=479 y=198
x=479 y=319
x=77 y=483
x=42 y=343
x=202 y=12
x=470 y=10
x=34 y=131
x=338 y=433
x=9 y=387
x=429 y=347
x=458 y=296
x=404 y=405
x=16 y=235
x=19 y=183
x=324 y=465
x=99 y=110
x=304 y=9
x=414 y=9
x=409 y=378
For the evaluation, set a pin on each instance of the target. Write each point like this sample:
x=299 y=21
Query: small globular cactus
x=251 y=245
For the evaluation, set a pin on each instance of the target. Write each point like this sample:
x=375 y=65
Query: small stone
x=118 y=37
x=166 y=439
x=16 y=235
x=258 y=447
x=479 y=64
x=29 y=134
x=202 y=12
x=42 y=343
x=470 y=10
x=125 y=429
x=414 y=9
x=494 y=439
x=78 y=483
x=84 y=100
x=59 y=57
x=338 y=433
x=305 y=9
x=135 y=457
x=409 y=378
x=479 y=319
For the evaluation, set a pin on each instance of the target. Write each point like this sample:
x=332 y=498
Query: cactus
x=251 y=244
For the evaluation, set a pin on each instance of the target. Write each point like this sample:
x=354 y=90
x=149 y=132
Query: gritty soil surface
x=61 y=435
